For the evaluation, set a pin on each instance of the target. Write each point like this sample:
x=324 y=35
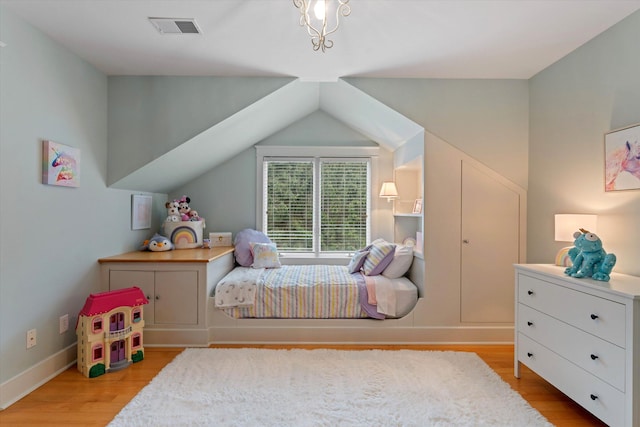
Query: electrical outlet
x=31 y=338
x=64 y=323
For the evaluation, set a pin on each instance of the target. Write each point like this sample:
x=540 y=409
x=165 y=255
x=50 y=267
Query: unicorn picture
x=60 y=165
x=622 y=163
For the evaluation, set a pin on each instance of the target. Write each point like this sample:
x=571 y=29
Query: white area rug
x=260 y=387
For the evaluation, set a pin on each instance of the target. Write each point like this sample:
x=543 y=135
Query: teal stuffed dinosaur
x=589 y=258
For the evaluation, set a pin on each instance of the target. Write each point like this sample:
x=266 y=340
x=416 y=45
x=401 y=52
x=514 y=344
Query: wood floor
x=71 y=399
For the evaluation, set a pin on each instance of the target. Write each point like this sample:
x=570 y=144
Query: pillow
x=380 y=256
x=358 y=259
x=242 y=249
x=265 y=255
x=401 y=262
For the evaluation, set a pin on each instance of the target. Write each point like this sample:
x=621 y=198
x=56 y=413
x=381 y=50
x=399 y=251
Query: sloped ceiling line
x=267 y=116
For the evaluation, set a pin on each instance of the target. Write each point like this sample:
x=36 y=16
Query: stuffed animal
x=183 y=208
x=589 y=258
x=158 y=243
x=173 y=213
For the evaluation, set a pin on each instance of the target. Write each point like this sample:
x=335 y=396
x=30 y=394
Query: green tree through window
x=329 y=195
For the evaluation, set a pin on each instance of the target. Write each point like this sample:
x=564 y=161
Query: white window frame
x=338 y=152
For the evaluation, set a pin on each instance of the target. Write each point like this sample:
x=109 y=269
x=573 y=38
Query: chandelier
x=317 y=27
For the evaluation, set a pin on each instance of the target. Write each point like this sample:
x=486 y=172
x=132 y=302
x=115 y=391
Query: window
x=96 y=326
x=136 y=340
x=316 y=204
x=97 y=352
x=136 y=315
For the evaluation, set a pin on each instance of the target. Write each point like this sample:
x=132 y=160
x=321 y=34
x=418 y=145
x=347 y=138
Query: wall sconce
x=389 y=190
x=565 y=226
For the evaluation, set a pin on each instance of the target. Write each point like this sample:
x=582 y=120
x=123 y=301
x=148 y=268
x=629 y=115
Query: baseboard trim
x=24 y=383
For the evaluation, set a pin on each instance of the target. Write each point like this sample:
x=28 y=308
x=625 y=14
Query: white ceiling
x=381 y=38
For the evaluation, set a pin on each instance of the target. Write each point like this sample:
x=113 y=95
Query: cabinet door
x=176 y=297
x=120 y=279
x=490 y=247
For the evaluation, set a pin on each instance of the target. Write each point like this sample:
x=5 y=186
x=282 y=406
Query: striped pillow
x=380 y=256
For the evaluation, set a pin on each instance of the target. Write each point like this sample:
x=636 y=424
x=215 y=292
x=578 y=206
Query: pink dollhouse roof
x=106 y=301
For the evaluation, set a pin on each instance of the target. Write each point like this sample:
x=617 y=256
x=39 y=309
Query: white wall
x=574 y=103
x=51 y=237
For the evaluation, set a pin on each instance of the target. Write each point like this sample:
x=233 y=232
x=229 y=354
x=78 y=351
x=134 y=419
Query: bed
x=313 y=292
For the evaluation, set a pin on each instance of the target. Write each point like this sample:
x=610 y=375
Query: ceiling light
x=318 y=27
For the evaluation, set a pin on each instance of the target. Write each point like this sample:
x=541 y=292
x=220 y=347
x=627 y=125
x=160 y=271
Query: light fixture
x=318 y=27
x=389 y=190
x=565 y=226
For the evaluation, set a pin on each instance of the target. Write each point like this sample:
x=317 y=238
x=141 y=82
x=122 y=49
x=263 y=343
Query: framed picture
x=60 y=164
x=622 y=159
x=141 y=211
x=417 y=206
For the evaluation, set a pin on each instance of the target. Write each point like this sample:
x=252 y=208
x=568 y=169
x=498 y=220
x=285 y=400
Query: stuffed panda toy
x=157 y=243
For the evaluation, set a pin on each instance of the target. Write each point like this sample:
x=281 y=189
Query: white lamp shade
x=567 y=224
x=389 y=190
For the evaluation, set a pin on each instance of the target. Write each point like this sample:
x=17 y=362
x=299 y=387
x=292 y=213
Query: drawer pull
x=530 y=292
x=593 y=397
x=594 y=357
x=594 y=316
x=529 y=355
x=530 y=323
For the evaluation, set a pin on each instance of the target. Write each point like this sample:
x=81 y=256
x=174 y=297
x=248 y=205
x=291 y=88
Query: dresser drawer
x=598 y=316
x=595 y=355
x=598 y=397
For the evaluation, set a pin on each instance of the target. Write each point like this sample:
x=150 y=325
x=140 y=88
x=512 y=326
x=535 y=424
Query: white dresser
x=583 y=336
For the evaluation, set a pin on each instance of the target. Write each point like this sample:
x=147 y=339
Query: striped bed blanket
x=295 y=291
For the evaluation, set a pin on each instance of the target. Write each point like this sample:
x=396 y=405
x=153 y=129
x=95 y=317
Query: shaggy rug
x=260 y=387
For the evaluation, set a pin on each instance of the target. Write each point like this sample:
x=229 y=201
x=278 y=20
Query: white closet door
x=490 y=233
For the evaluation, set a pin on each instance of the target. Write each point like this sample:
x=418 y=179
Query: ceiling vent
x=175 y=25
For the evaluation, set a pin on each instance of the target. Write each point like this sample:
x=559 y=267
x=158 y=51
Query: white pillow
x=265 y=255
x=400 y=264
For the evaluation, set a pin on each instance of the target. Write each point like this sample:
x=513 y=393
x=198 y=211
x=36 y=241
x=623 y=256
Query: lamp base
x=562 y=257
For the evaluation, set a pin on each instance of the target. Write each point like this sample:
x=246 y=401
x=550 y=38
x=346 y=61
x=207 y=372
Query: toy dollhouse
x=109 y=331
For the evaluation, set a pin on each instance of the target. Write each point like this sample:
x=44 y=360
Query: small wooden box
x=220 y=239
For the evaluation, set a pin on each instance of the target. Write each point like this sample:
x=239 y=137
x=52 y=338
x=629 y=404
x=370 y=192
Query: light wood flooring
x=70 y=399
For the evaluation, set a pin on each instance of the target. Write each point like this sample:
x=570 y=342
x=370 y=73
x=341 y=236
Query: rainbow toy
x=184 y=234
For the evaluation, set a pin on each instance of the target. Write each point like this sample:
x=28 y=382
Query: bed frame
x=414 y=328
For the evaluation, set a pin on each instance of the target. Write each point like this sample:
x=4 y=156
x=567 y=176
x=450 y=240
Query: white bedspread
x=238 y=288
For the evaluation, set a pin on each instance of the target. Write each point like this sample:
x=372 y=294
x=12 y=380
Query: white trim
x=24 y=383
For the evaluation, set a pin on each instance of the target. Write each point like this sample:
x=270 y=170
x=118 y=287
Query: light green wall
x=487 y=119
x=226 y=196
x=51 y=236
x=574 y=103
x=151 y=115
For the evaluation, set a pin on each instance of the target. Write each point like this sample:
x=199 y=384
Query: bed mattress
x=312 y=292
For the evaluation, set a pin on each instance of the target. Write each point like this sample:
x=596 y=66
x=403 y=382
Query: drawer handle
x=593 y=397
x=594 y=316
x=594 y=357
x=529 y=323
x=529 y=355
x=530 y=292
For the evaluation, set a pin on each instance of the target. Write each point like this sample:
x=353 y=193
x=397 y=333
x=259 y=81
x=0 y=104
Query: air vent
x=175 y=25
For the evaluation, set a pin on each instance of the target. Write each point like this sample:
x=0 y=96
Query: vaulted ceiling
x=267 y=116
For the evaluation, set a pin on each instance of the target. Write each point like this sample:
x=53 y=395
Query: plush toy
x=589 y=258
x=183 y=208
x=157 y=243
x=173 y=214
